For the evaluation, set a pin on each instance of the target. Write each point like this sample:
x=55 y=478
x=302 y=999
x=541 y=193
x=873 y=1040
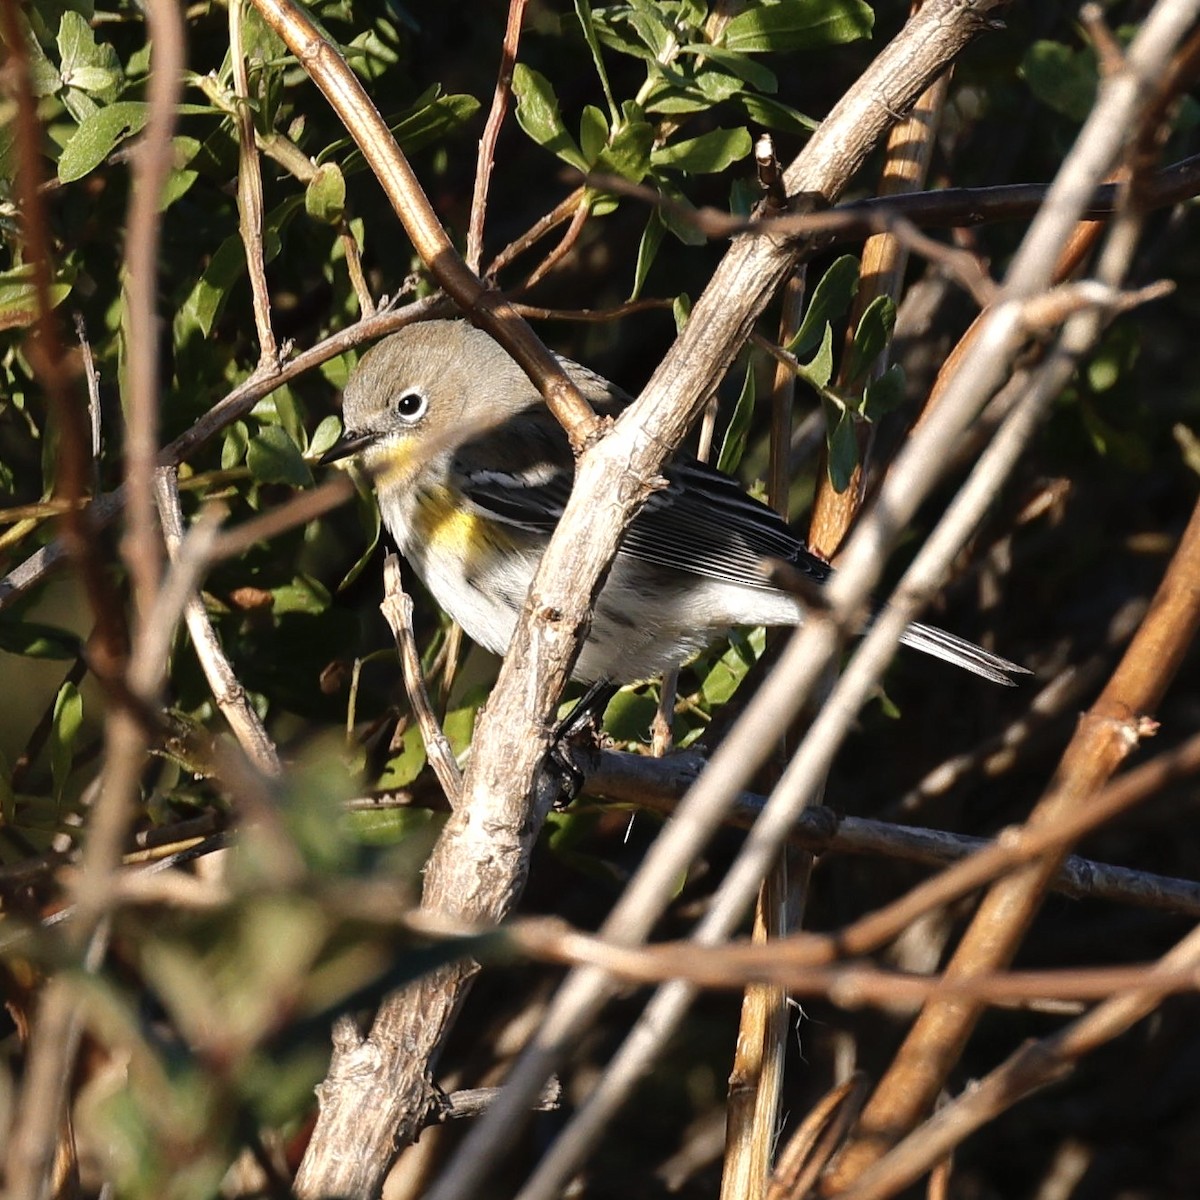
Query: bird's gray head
x=432 y=385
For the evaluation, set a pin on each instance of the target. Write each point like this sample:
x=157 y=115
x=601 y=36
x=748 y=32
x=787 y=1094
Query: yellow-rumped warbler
x=472 y=473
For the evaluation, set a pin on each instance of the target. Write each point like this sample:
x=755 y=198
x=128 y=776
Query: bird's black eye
x=410 y=406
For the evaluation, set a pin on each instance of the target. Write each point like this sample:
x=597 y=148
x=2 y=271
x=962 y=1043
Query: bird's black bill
x=345 y=446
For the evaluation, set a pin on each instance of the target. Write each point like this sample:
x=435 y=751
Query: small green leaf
x=64 y=729
x=233 y=448
x=85 y=64
x=583 y=10
x=206 y=299
x=18 y=298
x=325 y=196
x=737 y=64
x=842 y=441
x=884 y=394
x=324 y=436
x=98 y=136
x=404 y=767
x=705 y=155
x=32 y=640
x=733 y=446
x=628 y=716
x=681 y=309
x=872 y=335
x=593 y=132
x=830 y=299
x=274 y=458
x=652 y=237
x=303 y=595
x=538 y=115
x=763 y=110
x=628 y=154
x=1061 y=78
x=819 y=369
x=798 y=25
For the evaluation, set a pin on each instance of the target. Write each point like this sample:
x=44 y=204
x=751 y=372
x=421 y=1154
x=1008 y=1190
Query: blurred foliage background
x=220 y=1018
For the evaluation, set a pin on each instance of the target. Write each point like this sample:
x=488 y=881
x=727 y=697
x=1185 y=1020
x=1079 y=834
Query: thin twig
x=491 y=132
x=397 y=609
x=227 y=691
x=250 y=190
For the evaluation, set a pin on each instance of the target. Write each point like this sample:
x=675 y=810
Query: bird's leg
x=582 y=721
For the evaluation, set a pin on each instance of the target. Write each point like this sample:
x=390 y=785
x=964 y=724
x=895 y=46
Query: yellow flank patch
x=439 y=522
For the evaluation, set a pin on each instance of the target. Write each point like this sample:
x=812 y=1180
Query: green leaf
x=798 y=25
x=652 y=238
x=628 y=716
x=84 y=64
x=628 y=154
x=404 y=767
x=98 y=136
x=593 y=132
x=830 y=299
x=736 y=64
x=707 y=154
x=234 y=446
x=884 y=394
x=303 y=595
x=819 y=369
x=763 y=110
x=274 y=458
x=324 y=436
x=872 y=335
x=733 y=446
x=32 y=640
x=325 y=196
x=681 y=309
x=18 y=298
x=1061 y=78
x=583 y=10
x=206 y=299
x=538 y=115
x=842 y=442
x=64 y=729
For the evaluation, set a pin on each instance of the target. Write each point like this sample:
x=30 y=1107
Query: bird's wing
x=530 y=491
x=704 y=523
x=701 y=522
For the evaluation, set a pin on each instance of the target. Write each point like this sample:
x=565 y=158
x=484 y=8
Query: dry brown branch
x=562 y=211
x=850 y=985
x=1111 y=731
x=227 y=691
x=56 y=1034
x=962 y=207
x=1107 y=735
x=908 y=152
x=756 y=1079
x=1034 y=1066
x=491 y=132
x=816 y=1138
x=250 y=191
x=659 y=785
x=397 y=609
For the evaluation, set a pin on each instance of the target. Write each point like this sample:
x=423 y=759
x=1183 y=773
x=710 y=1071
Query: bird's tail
x=961 y=653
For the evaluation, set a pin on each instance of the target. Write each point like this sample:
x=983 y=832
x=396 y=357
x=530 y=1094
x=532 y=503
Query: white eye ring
x=411 y=406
